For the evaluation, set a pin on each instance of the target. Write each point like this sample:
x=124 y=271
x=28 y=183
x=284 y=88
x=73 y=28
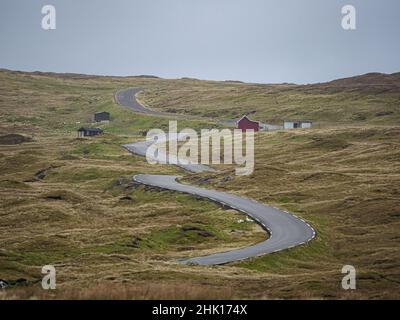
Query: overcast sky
x=268 y=41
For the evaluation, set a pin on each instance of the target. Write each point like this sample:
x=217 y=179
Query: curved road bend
x=141 y=147
x=127 y=98
x=285 y=230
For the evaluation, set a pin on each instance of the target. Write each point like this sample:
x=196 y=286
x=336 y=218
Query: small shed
x=101 y=116
x=297 y=124
x=89 y=132
x=245 y=123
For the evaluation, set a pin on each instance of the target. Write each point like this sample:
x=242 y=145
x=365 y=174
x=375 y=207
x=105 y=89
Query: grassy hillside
x=372 y=98
x=346 y=183
x=70 y=202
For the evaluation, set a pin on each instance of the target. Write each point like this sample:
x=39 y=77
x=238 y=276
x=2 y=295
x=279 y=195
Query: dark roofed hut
x=89 y=132
x=101 y=116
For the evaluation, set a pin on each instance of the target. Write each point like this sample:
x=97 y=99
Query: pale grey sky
x=267 y=41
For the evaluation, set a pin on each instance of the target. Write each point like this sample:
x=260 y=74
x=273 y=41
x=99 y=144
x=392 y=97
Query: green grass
x=85 y=215
x=301 y=258
x=325 y=104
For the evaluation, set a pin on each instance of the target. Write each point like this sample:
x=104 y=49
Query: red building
x=246 y=124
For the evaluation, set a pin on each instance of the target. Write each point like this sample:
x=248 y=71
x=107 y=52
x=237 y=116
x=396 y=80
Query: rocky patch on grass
x=200 y=232
x=383 y=113
x=122 y=184
x=5 y=284
x=42 y=173
x=135 y=242
x=63 y=195
x=225 y=180
x=126 y=198
x=13 y=139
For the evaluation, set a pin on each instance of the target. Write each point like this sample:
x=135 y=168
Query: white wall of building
x=269 y=127
x=288 y=125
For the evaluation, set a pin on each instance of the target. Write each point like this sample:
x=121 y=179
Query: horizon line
x=191 y=78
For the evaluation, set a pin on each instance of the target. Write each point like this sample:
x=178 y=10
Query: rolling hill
x=71 y=202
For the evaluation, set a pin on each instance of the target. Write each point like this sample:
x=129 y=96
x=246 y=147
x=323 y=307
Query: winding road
x=285 y=229
x=127 y=98
x=140 y=148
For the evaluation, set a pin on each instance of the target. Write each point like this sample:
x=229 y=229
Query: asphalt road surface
x=127 y=98
x=140 y=148
x=285 y=229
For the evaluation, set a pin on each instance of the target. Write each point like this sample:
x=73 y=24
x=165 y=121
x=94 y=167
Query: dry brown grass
x=345 y=182
x=85 y=218
x=367 y=99
x=118 y=291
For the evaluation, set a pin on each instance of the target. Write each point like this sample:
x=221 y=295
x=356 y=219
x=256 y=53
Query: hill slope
x=70 y=202
x=372 y=98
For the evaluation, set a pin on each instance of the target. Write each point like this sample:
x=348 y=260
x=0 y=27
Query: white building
x=301 y=124
x=269 y=127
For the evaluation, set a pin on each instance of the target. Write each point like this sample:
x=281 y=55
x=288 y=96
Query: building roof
x=245 y=116
x=90 y=129
x=100 y=112
x=297 y=120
